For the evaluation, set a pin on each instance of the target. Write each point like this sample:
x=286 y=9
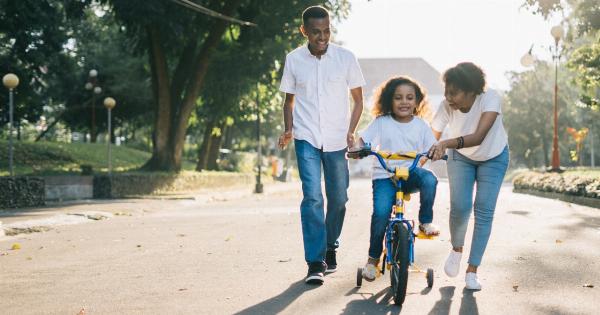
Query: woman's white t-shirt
x=386 y=134
x=462 y=124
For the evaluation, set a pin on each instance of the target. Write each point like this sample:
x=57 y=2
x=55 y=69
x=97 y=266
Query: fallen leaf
x=558 y=241
x=29 y=258
x=82 y=312
x=588 y=285
x=228 y=239
x=138 y=245
x=16 y=246
x=285 y=260
x=181 y=235
x=520 y=258
x=183 y=289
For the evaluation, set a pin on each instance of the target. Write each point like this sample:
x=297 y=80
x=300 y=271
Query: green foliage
x=528 y=115
x=56 y=158
x=32 y=36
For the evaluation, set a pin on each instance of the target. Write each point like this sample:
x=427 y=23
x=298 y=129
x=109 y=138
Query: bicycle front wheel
x=400 y=262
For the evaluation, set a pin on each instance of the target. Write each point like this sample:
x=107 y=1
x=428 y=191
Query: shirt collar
x=328 y=53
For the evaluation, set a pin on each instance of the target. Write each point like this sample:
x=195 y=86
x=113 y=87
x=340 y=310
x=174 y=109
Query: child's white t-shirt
x=462 y=124
x=386 y=134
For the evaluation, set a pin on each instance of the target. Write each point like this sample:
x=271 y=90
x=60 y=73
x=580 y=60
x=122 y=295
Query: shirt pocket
x=337 y=79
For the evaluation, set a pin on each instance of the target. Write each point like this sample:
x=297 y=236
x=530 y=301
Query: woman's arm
x=485 y=124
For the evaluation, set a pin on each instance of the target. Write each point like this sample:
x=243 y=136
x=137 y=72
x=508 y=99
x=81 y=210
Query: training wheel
x=359 y=277
x=429 y=277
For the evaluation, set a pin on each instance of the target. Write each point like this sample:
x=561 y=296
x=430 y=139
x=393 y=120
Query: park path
x=233 y=252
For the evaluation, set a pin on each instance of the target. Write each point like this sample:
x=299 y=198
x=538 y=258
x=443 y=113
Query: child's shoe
x=429 y=229
x=452 y=265
x=471 y=281
x=369 y=272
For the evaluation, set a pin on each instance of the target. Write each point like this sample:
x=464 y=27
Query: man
x=316 y=79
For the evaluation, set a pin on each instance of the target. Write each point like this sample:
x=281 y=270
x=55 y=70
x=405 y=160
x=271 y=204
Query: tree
x=181 y=45
x=32 y=37
x=528 y=115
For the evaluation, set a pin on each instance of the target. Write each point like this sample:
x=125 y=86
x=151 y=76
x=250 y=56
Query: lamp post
x=10 y=81
x=259 y=186
x=557 y=32
x=92 y=85
x=109 y=103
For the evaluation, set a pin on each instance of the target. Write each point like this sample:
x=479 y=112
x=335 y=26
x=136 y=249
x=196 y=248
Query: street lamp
x=92 y=85
x=528 y=60
x=10 y=81
x=557 y=32
x=259 y=186
x=109 y=103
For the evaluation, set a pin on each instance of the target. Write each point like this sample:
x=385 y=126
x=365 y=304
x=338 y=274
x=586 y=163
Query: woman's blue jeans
x=384 y=197
x=319 y=231
x=463 y=173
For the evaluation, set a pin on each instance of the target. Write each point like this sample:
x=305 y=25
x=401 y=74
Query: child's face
x=404 y=101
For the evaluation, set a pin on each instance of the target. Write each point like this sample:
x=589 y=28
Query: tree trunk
x=197 y=80
x=213 y=152
x=204 y=147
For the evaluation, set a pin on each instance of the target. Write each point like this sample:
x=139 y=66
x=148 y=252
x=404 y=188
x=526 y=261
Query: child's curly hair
x=384 y=97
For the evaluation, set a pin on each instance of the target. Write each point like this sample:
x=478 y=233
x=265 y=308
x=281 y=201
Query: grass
x=53 y=158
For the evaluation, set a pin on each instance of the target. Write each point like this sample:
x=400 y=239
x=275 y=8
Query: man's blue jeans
x=384 y=197
x=319 y=231
x=463 y=173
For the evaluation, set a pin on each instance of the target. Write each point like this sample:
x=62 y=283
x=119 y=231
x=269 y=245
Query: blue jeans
x=384 y=197
x=319 y=231
x=463 y=173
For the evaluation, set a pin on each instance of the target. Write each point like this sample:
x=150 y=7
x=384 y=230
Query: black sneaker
x=330 y=261
x=315 y=273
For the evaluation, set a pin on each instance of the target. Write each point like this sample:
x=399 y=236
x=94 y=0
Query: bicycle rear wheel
x=400 y=262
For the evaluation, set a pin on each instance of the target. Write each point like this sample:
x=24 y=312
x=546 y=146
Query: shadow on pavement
x=278 y=303
x=443 y=305
x=371 y=305
x=468 y=305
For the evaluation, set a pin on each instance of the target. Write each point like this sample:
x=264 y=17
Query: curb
x=580 y=200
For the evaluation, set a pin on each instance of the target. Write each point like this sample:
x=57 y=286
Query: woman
x=478 y=153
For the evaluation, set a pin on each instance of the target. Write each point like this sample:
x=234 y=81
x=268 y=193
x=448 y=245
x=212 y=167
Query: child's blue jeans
x=384 y=197
x=321 y=231
x=463 y=173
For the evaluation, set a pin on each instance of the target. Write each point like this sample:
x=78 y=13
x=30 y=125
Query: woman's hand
x=437 y=150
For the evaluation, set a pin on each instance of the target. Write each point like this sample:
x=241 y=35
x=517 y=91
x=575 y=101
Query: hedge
x=569 y=184
x=579 y=189
x=21 y=191
x=136 y=184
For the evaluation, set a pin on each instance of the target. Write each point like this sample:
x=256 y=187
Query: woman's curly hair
x=384 y=97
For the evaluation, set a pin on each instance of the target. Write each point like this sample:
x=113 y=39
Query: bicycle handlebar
x=383 y=155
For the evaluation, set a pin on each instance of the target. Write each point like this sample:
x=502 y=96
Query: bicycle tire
x=400 y=262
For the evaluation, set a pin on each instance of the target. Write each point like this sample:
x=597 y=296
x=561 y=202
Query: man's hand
x=284 y=139
x=437 y=150
x=350 y=140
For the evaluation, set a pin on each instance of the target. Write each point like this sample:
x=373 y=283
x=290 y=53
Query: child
x=397 y=129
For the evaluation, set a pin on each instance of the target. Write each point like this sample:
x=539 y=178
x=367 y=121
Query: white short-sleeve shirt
x=321 y=113
x=462 y=124
x=386 y=134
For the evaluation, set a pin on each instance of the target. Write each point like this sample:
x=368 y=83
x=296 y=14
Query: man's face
x=317 y=31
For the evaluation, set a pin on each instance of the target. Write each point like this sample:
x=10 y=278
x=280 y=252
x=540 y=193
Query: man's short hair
x=314 y=12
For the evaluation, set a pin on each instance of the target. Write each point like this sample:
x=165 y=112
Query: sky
x=494 y=34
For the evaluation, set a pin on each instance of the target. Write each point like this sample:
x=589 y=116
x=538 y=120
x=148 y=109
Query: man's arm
x=288 y=108
x=357 y=96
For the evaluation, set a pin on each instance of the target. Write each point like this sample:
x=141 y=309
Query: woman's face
x=459 y=99
x=404 y=101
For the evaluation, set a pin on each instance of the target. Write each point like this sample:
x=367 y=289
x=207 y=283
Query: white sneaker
x=369 y=272
x=452 y=265
x=471 y=281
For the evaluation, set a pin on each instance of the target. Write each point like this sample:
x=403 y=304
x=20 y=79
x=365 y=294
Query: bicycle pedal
x=424 y=236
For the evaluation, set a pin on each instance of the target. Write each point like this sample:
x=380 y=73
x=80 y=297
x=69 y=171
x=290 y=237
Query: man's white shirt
x=321 y=113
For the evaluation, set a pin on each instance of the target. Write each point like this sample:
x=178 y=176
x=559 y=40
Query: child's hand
x=284 y=139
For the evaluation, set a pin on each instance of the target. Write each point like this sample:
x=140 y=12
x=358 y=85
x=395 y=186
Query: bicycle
x=399 y=235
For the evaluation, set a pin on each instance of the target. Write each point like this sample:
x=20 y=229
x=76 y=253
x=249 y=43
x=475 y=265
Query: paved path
x=234 y=252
